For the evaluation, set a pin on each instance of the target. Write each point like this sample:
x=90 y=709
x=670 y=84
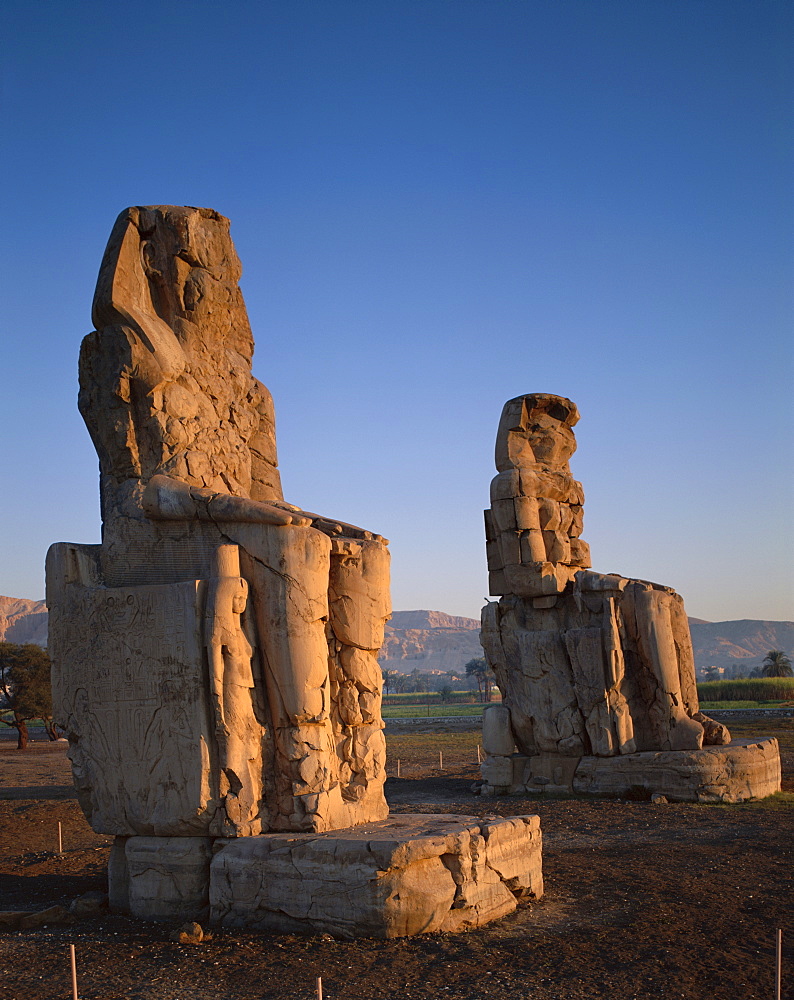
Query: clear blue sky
x=439 y=205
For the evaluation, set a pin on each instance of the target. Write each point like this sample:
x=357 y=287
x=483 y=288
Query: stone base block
x=167 y=877
x=739 y=772
x=410 y=874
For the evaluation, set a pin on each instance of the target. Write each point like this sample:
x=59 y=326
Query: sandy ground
x=642 y=901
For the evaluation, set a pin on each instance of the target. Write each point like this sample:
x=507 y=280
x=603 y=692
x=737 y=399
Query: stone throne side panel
x=130 y=677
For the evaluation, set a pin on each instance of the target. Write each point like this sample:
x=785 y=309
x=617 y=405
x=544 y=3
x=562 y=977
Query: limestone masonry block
x=168 y=877
x=741 y=772
x=407 y=875
x=497 y=736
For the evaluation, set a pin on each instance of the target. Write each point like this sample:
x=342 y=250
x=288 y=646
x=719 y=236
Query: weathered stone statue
x=251 y=626
x=590 y=665
x=215 y=657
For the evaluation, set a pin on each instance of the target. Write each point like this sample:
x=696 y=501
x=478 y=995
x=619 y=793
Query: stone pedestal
x=411 y=874
x=740 y=772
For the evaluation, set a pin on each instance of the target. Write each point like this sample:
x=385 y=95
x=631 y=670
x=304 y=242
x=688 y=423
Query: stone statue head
x=176 y=264
x=165 y=380
x=535 y=430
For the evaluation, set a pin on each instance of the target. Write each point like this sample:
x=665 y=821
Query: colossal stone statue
x=215 y=657
x=226 y=641
x=589 y=664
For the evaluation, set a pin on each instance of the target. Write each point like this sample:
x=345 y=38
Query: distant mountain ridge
x=430 y=619
x=739 y=644
x=433 y=640
x=429 y=640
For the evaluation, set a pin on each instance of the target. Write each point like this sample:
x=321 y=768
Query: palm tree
x=776 y=664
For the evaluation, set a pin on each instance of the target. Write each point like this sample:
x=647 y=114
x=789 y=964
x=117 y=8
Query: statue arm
x=167 y=499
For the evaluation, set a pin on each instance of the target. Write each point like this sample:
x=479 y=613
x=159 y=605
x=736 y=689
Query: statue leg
x=287 y=567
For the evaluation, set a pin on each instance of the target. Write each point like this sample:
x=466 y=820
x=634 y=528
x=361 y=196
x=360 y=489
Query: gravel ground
x=642 y=901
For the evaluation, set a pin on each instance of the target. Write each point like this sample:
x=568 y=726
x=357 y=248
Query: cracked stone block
x=168 y=877
x=740 y=772
x=406 y=875
x=497 y=771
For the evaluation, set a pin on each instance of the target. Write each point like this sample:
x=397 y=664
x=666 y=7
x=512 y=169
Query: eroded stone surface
x=167 y=877
x=590 y=665
x=407 y=875
x=745 y=770
x=214 y=659
x=741 y=772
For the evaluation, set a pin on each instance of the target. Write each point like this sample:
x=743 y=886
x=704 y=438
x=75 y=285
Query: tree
x=418 y=682
x=484 y=676
x=388 y=680
x=445 y=693
x=776 y=664
x=25 y=689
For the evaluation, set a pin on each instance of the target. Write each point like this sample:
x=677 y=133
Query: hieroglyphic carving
x=138 y=719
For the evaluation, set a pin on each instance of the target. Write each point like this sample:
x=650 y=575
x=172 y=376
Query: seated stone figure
x=588 y=663
x=215 y=658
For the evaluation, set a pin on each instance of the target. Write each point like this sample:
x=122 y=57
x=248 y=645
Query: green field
x=715 y=706
x=763 y=692
x=753 y=692
x=435 y=709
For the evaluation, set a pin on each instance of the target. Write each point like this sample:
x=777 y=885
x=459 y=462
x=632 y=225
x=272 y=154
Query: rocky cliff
x=429 y=640
x=739 y=644
x=23 y=621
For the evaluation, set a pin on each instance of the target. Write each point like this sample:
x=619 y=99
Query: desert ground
x=642 y=901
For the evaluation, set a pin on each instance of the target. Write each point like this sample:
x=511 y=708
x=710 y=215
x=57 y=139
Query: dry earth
x=642 y=901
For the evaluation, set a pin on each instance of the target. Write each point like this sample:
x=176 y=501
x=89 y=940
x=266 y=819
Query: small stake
x=398 y=767
x=319 y=988
x=440 y=761
x=73 y=958
x=60 y=839
x=479 y=757
x=778 y=962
